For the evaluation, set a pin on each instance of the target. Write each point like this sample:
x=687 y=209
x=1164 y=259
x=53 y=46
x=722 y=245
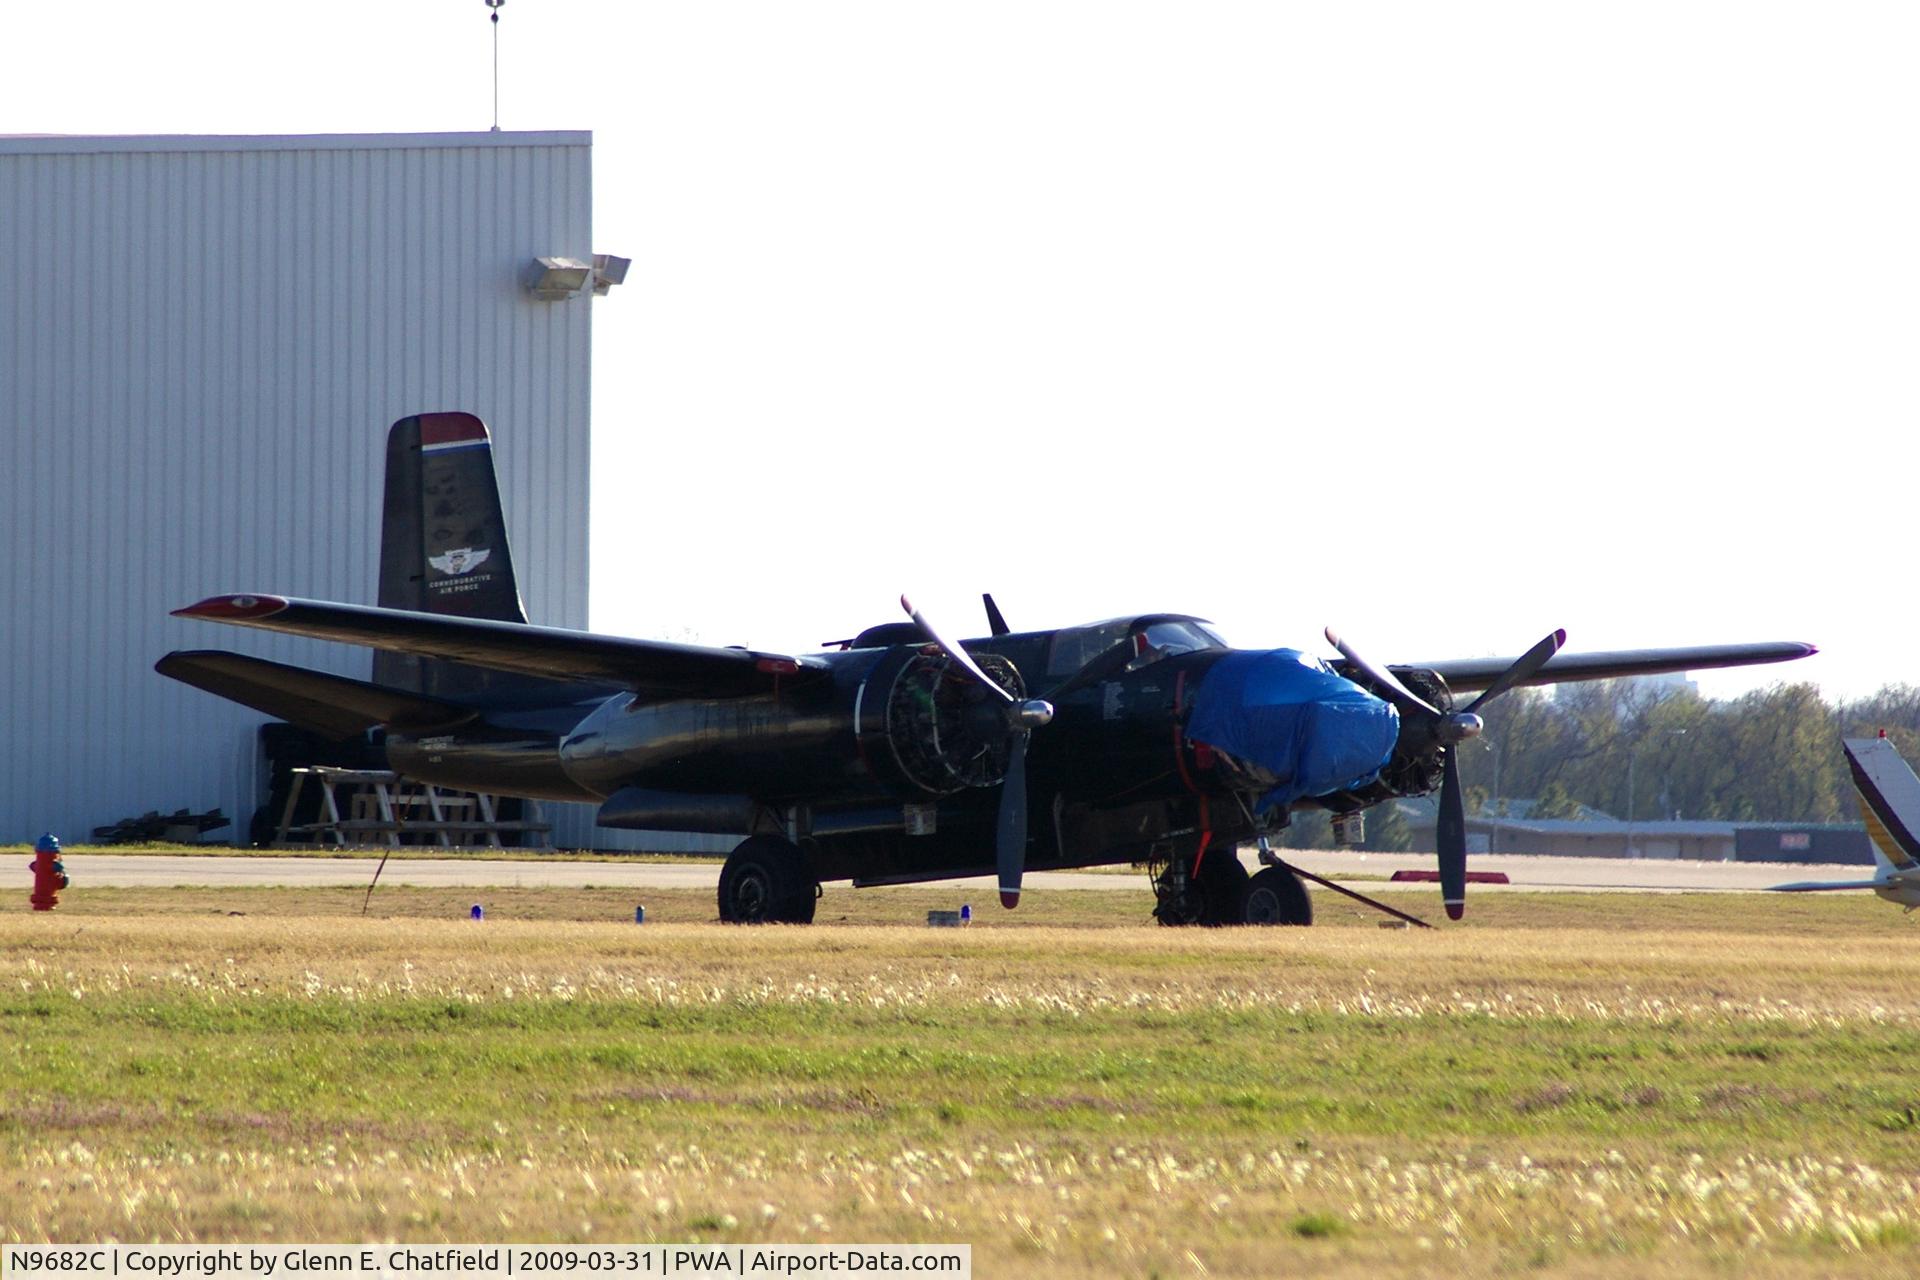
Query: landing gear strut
x=1176 y=900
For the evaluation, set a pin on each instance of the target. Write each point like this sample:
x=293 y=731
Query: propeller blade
x=960 y=657
x=1522 y=670
x=1401 y=696
x=1450 y=833
x=995 y=622
x=1010 y=855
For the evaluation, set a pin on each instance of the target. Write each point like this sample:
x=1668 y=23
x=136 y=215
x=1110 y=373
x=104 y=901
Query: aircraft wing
x=1467 y=675
x=1820 y=886
x=648 y=666
x=331 y=706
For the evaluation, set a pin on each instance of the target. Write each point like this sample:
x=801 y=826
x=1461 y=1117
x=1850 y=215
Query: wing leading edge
x=645 y=666
x=1466 y=675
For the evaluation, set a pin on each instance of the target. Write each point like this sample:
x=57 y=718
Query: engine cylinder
x=928 y=727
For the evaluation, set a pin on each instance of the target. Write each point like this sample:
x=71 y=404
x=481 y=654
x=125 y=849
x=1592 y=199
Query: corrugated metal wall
x=202 y=343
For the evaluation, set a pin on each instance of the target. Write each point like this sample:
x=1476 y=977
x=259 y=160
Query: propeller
x=1448 y=730
x=1023 y=717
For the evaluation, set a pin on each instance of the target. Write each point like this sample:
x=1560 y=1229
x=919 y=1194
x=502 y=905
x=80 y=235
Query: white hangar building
x=204 y=343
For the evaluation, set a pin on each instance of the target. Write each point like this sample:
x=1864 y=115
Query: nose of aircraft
x=1288 y=713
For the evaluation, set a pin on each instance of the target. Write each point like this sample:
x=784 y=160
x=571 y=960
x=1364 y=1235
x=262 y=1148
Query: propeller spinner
x=1448 y=730
x=1023 y=717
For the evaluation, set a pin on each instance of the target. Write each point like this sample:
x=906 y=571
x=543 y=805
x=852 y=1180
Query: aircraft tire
x=1177 y=913
x=1276 y=896
x=1222 y=887
x=766 y=880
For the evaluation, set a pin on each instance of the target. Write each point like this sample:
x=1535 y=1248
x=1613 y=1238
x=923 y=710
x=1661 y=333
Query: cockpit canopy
x=1155 y=636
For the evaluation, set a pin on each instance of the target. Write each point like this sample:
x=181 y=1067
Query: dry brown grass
x=1127 y=1209
x=1507 y=974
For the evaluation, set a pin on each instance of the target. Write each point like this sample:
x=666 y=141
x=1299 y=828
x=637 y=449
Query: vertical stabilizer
x=1889 y=801
x=443 y=539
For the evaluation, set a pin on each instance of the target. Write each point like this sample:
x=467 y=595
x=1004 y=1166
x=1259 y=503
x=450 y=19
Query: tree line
x=1647 y=753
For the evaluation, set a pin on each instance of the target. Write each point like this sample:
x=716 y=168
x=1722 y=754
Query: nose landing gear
x=1224 y=894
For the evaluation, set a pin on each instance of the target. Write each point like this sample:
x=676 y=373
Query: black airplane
x=899 y=755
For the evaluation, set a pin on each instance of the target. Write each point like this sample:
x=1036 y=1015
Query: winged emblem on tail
x=459 y=560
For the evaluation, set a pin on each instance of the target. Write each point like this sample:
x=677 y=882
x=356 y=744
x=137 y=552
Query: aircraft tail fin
x=329 y=705
x=443 y=540
x=1889 y=801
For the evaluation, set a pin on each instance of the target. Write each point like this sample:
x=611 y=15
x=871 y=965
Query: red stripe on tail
x=450 y=428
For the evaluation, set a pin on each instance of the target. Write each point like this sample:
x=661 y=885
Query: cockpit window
x=1164 y=639
x=1077 y=646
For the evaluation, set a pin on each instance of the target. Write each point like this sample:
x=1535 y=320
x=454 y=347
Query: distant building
x=1607 y=837
x=1801 y=842
x=204 y=343
x=1637 y=693
x=1648 y=689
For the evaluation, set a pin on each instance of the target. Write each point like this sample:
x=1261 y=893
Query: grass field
x=1586 y=1084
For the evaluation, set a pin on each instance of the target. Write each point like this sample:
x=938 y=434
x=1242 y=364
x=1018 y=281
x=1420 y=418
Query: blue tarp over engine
x=1288 y=713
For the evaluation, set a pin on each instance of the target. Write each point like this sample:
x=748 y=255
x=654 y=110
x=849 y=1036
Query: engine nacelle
x=927 y=728
x=911 y=726
x=1415 y=767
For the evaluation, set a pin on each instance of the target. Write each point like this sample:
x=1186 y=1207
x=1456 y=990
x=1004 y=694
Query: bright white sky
x=1448 y=324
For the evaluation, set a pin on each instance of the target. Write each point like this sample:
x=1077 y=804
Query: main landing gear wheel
x=1215 y=896
x=767 y=881
x=1222 y=888
x=1276 y=896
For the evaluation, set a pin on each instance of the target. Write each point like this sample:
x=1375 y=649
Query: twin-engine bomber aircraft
x=899 y=755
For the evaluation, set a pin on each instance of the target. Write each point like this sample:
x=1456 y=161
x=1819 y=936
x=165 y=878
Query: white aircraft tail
x=1889 y=801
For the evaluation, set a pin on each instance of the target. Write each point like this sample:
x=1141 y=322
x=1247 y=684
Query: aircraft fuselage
x=833 y=761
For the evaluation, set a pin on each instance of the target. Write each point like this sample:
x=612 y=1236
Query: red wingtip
x=242 y=608
x=1009 y=899
x=1455 y=910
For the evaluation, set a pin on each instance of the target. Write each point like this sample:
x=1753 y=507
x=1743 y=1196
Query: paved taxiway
x=1527 y=873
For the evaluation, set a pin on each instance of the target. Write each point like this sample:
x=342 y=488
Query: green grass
x=673 y=1072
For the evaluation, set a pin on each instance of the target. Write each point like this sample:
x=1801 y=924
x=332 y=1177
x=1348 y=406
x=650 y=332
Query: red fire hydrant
x=49 y=873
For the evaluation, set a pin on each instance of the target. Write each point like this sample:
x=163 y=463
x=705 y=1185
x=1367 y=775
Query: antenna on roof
x=494 y=18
